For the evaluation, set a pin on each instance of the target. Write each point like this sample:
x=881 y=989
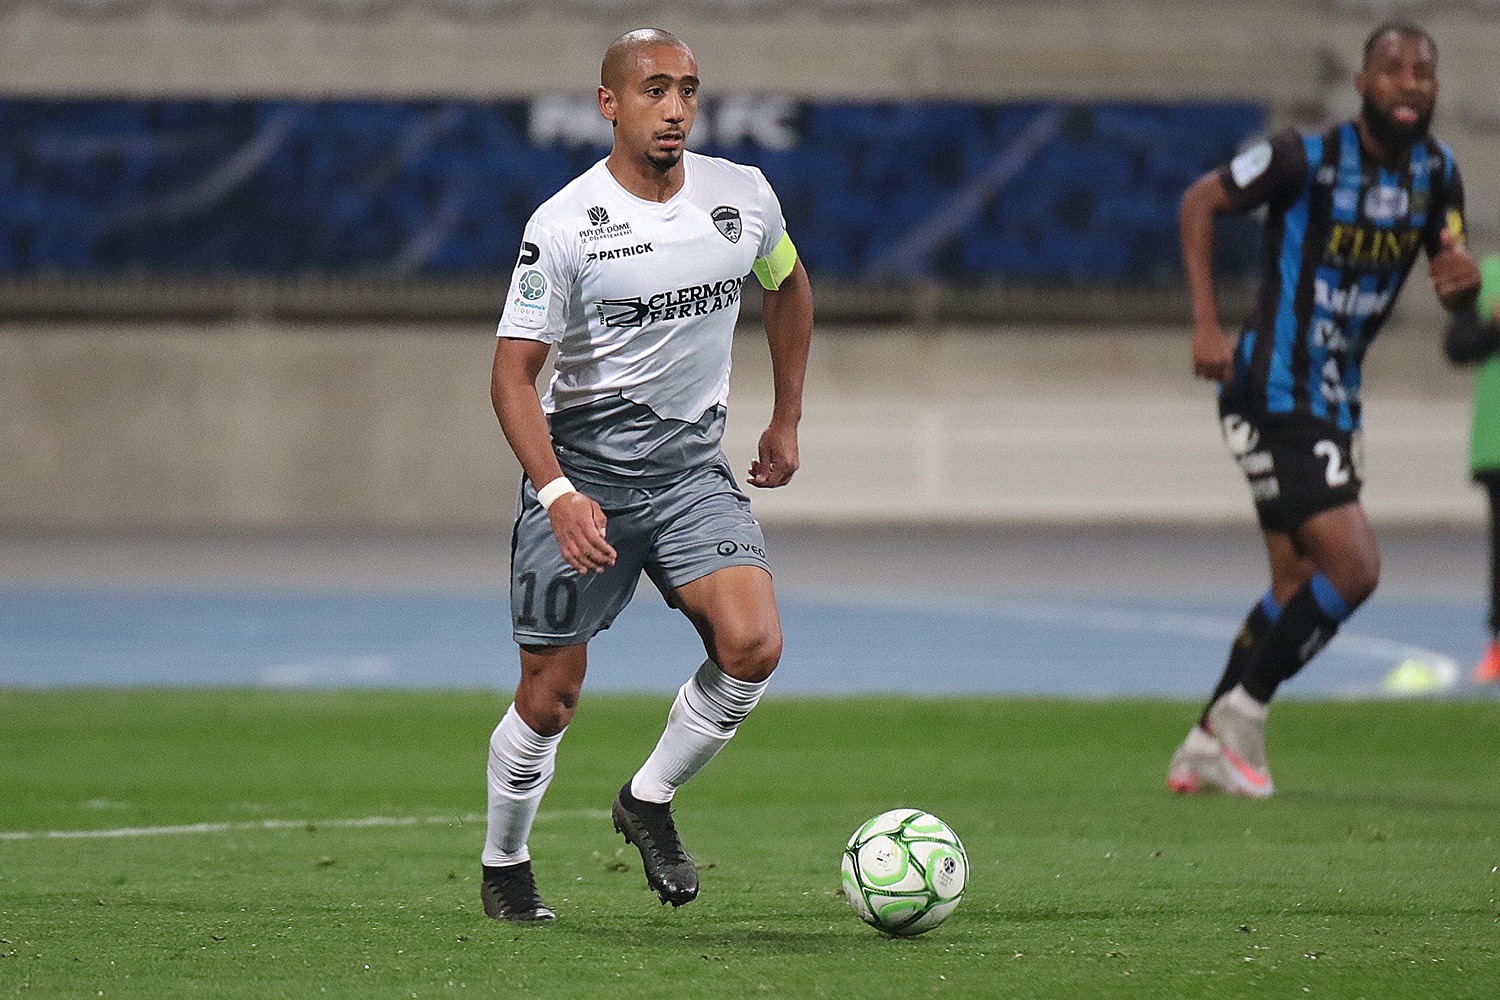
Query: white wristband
x=553 y=490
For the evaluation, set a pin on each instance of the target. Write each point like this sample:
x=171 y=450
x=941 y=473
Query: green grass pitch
x=1374 y=872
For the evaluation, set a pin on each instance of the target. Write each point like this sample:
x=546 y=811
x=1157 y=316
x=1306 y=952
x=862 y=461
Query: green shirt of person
x=1475 y=339
x=1484 y=440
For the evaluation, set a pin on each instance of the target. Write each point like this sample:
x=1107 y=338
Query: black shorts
x=1297 y=465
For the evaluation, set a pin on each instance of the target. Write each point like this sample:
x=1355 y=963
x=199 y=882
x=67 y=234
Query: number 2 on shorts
x=1336 y=472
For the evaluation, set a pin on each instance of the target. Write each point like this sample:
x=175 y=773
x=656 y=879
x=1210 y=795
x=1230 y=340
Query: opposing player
x=634 y=272
x=1347 y=212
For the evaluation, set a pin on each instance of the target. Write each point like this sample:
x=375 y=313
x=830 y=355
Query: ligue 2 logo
x=532 y=285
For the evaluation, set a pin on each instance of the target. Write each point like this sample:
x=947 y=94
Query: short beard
x=1392 y=136
x=665 y=160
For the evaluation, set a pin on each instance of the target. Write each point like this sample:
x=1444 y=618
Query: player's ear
x=607 y=103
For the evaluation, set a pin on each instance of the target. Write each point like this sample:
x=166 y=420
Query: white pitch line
x=278 y=824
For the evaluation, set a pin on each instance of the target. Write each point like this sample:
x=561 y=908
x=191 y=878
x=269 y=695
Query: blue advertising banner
x=1035 y=192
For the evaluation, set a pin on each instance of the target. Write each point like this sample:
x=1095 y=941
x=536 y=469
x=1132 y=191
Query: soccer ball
x=904 y=871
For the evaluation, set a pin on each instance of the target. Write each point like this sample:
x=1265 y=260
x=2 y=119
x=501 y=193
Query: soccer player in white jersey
x=634 y=272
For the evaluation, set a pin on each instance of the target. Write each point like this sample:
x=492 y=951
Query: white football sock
x=521 y=766
x=704 y=715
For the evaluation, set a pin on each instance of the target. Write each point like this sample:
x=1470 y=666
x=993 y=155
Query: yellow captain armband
x=1455 y=226
x=773 y=268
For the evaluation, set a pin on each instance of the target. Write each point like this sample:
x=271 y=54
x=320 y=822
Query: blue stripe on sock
x=1329 y=600
x=1270 y=607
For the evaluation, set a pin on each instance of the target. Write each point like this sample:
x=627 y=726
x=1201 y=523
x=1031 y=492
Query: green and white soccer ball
x=904 y=872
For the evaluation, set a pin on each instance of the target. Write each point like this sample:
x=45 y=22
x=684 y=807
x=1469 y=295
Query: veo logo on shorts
x=729 y=547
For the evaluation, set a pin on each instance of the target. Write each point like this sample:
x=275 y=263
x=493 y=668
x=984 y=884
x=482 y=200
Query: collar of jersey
x=682 y=192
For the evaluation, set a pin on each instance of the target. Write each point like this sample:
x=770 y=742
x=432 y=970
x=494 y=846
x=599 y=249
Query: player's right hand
x=1453 y=272
x=578 y=524
x=1213 y=353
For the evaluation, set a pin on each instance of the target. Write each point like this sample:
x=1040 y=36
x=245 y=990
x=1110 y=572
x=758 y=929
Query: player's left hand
x=1453 y=272
x=778 y=457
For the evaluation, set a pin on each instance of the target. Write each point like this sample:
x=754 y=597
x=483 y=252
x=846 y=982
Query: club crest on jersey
x=1385 y=203
x=727 y=222
x=598 y=216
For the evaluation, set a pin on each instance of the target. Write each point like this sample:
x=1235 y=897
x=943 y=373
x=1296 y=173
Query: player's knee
x=1363 y=580
x=1286 y=584
x=1356 y=579
x=748 y=653
x=547 y=713
x=547 y=696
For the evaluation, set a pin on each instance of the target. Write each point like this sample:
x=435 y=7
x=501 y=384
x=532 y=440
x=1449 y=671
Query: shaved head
x=621 y=54
x=1401 y=29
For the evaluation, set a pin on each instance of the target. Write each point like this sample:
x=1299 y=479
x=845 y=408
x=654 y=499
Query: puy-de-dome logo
x=598 y=216
x=727 y=222
x=533 y=285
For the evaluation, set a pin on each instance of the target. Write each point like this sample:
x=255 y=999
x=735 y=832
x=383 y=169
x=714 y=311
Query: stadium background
x=251 y=252
x=279 y=474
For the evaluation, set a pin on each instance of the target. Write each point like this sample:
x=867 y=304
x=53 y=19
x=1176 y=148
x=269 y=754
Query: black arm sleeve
x=1468 y=339
x=1447 y=207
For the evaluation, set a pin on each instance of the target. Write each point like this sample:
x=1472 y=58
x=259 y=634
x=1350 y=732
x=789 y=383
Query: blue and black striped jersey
x=1342 y=233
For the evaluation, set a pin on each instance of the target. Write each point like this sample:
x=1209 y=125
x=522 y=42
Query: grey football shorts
x=675 y=534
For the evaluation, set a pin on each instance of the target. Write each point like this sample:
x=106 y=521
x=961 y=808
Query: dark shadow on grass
x=792 y=937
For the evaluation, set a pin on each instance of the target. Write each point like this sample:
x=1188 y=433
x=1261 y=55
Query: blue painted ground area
x=1061 y=645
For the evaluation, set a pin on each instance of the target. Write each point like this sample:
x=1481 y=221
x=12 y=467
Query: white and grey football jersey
x=641 y=299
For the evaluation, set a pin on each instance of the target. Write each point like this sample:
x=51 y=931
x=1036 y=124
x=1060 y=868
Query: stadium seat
x=447 y=185
x=826 y=252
